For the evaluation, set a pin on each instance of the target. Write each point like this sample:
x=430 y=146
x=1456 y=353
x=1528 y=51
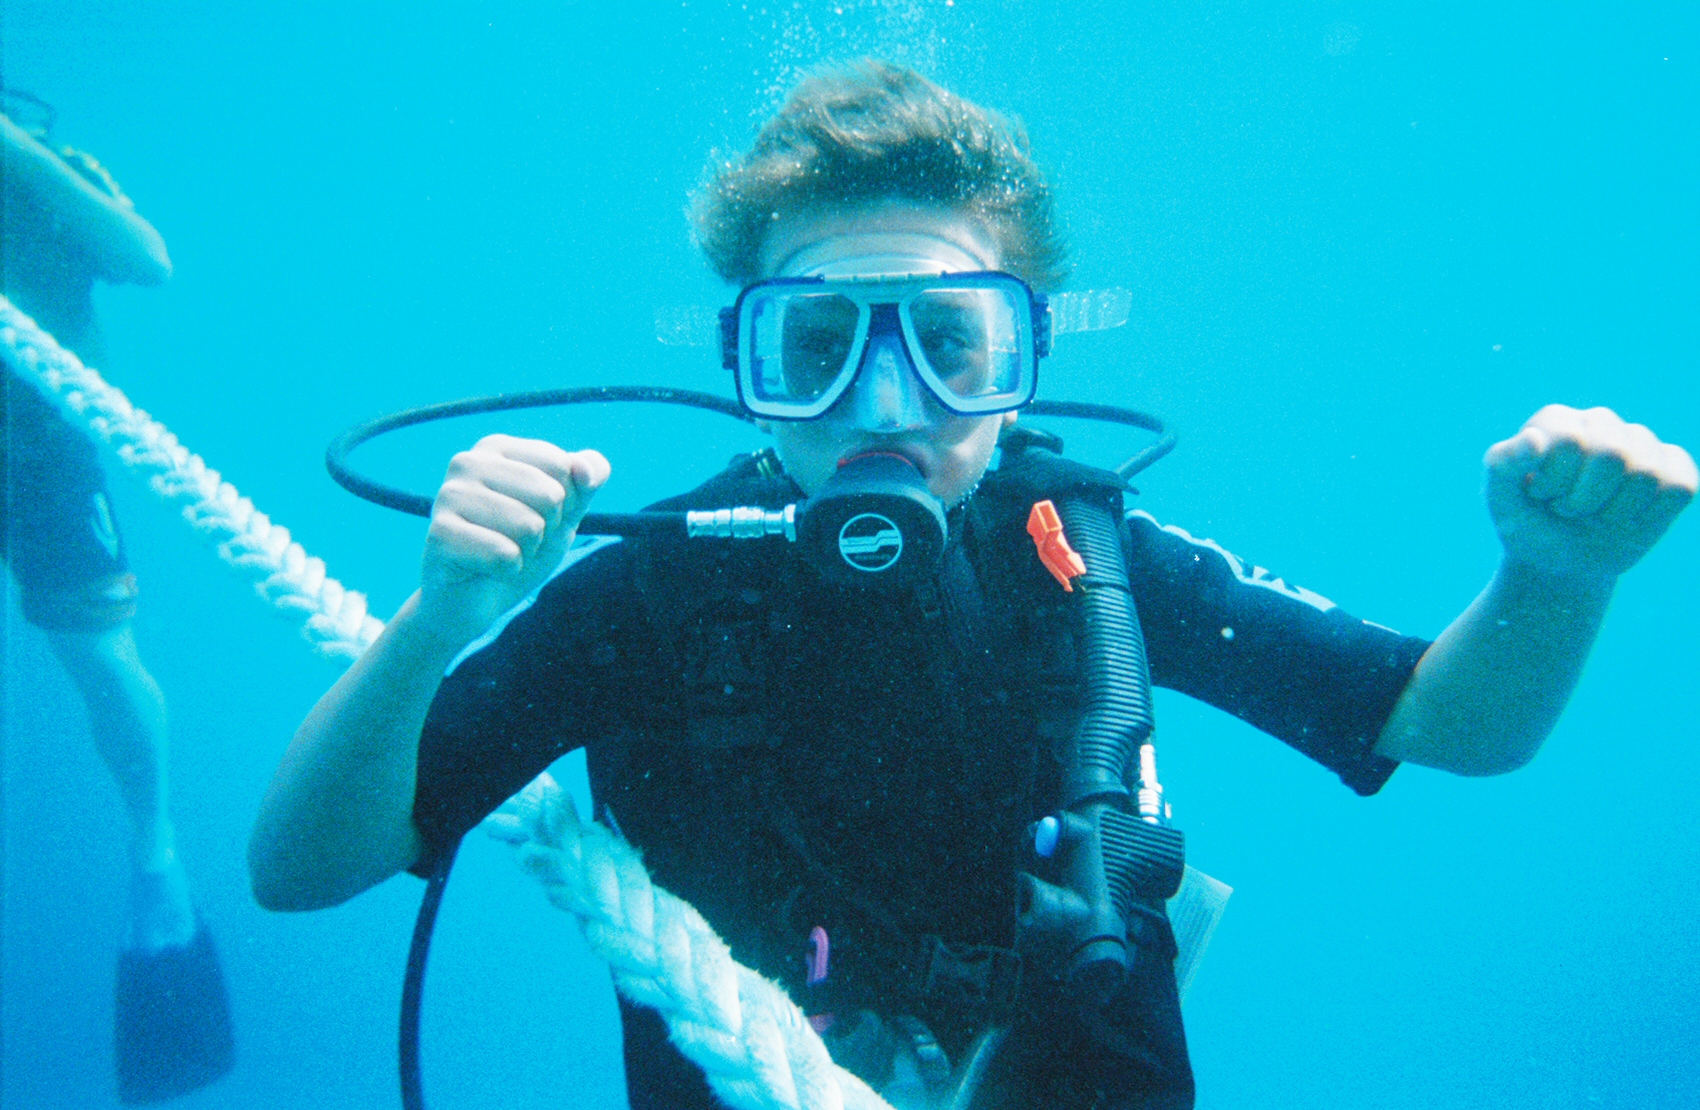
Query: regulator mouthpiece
x=874 y=523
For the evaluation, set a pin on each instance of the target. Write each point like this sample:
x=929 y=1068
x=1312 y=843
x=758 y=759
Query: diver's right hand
x=501 y=524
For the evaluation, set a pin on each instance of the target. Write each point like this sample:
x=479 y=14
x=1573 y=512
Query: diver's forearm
x=338 y=816
x=1489 y=691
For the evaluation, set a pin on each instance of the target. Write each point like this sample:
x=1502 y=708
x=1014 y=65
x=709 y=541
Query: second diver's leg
x=171 y=1019
x=127 y=718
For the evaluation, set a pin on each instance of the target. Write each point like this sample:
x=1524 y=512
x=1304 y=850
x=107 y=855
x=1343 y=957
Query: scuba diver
x=924 y=801
x=66 y=225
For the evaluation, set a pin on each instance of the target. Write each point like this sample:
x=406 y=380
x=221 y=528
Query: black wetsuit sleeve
x=545 y=684
x=1281 y=658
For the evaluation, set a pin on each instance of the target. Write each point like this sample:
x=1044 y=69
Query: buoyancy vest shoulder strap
x=1032 y=470
x=752 y=478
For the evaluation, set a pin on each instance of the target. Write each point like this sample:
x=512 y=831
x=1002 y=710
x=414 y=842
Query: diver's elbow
x=1493 y=764
x=272 y=893
x=292 y=873
x=1474 y=753
x=280 y=884
x=284 y=896
x=274 y=896
x=1471 y=761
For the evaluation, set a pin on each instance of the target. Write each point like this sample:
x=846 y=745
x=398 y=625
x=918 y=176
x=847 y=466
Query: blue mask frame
x=884 y=318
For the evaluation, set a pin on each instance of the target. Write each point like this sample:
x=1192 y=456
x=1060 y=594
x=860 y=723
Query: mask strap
x=695 y=325
x=1090 y=310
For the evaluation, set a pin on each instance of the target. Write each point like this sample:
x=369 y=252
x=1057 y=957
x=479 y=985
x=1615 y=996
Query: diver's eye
x=952 y=331
x=818 y=334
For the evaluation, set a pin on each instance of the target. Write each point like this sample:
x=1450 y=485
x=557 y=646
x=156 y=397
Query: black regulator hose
x=1098 y=918
x=1118 y=716
x=336 y=455
x=641 y=524
x=1143 y=857
x=413 y=984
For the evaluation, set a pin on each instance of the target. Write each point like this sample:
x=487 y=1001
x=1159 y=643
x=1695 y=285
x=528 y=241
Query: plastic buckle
x=1045 y=526
x=979 y=975
x=930 y=1058
x=728 y=338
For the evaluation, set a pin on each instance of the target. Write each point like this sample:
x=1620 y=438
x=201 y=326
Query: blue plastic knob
x=1045 y=836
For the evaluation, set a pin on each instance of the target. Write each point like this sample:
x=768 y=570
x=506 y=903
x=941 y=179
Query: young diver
x=66 y=225
x=795 y=753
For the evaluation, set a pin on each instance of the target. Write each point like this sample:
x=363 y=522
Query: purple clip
x=818 y=958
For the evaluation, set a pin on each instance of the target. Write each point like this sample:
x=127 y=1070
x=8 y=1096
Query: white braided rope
x=335 y=619
x=754 y=1044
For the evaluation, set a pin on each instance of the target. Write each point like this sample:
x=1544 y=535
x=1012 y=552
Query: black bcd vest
x=871 y=764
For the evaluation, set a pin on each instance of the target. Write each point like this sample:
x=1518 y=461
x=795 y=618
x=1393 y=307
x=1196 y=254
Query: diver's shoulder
x=1151 y=535
x=1153 y=541
x=1144 y=524
x=752 y=478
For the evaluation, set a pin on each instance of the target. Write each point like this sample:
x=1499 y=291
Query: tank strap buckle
x=977 y=976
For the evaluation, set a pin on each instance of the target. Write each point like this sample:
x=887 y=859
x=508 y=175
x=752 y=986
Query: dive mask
x=797 y=344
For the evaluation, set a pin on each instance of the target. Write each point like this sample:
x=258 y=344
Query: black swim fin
x=173 y=1032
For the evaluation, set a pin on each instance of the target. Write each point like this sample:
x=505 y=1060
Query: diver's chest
x=856 y=705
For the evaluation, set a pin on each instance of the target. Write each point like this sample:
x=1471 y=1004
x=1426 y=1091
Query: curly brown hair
x=869 y=132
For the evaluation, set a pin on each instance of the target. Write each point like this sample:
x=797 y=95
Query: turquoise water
x=1363 y=246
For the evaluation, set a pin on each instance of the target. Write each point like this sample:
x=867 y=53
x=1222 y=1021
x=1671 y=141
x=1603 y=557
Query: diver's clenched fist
x=1582 y=494
x=502 y=522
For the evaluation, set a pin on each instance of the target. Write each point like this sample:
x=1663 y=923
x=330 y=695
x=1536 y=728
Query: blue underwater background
x=1365 y=241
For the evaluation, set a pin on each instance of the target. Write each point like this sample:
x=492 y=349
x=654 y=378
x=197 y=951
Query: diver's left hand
x=1582 y=495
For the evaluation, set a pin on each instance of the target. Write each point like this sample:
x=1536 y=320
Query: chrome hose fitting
x=742 y=523
x=1150 y=795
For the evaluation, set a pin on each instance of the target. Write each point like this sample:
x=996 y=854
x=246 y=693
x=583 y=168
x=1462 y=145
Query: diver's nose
x=889 y=395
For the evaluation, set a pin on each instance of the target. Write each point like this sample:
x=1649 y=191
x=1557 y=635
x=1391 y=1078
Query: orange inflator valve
x=1045 y=526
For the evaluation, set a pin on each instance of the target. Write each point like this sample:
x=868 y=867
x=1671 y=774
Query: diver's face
x=887 y=408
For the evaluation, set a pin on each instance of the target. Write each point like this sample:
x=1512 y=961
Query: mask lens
x=797 y=344
x=802 y=344
x=971 y=338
